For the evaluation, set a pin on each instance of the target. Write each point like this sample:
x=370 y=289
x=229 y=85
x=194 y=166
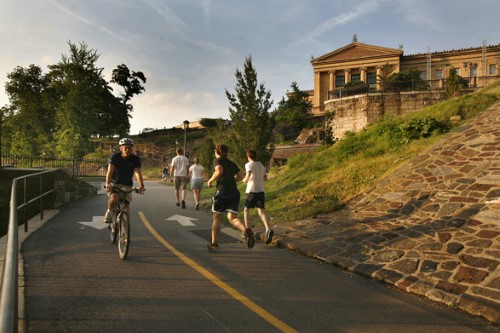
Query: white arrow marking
x=97 y=223
x=183 y=220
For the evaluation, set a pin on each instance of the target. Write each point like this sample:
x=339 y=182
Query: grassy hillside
x=324 y=180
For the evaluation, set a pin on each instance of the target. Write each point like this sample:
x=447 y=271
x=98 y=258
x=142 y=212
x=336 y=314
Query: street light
x=186 y=125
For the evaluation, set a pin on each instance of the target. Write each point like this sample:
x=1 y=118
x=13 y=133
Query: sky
x=189 y=50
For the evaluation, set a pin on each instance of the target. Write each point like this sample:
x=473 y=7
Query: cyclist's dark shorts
x=255 y=200
x=125 y=188
x=226 y=200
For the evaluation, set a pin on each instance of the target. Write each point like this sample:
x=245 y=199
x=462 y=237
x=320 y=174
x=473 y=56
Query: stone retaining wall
x=356 y=112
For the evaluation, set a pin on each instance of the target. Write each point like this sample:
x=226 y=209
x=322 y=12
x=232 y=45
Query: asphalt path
x=75 y=281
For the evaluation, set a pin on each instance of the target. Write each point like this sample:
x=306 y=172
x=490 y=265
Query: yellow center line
x=215 y=280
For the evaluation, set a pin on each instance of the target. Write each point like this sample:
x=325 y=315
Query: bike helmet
x=126 y=142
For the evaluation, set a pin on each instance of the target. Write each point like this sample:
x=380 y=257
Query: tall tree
x=84 y=98
x=252 y=125
x=31 y=120
x=292 y=114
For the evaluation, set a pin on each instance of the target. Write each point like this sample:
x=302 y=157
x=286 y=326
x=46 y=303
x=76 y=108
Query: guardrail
x=9 y=289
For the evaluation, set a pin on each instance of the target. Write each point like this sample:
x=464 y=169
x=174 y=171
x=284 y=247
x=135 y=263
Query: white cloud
x=363 y=9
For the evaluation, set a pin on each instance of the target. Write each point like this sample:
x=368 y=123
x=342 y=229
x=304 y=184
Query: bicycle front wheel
x=124 y=235
x=113 y=226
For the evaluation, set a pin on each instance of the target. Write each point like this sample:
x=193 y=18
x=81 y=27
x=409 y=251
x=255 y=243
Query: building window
x=355 y=77
x=439 y=74
x=423 y=76
x=339 y=81
x=492 y=69
x=371 y=78
x=459 y=71
x=473 y=70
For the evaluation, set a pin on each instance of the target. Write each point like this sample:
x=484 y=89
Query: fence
x=85 y=169
x=472 y=82
x=9 y=290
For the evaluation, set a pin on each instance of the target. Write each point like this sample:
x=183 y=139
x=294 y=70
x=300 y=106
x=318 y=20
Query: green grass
x=323 y=181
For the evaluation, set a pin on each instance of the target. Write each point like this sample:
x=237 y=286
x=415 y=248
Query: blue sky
x=189 y=49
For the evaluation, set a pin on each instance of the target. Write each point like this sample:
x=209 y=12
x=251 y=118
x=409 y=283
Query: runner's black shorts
x=226 y=200
x=255 y=200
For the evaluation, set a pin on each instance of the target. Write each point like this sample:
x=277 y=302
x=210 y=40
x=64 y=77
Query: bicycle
x=120 y=222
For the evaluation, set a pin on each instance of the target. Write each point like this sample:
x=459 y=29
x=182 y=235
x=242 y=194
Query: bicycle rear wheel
x=124 y=237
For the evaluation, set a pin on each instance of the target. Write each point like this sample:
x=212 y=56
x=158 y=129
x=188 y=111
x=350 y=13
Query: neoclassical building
x=368 y=63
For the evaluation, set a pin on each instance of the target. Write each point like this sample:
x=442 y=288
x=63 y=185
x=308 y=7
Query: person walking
x=196 y=172
x=122 y=167
x=254 y=178
x=164 y=174
x=227 y=196
x=179 y=170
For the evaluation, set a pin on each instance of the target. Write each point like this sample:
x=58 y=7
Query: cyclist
x=121 y=168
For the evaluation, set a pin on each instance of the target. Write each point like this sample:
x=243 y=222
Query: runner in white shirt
x=255 y=176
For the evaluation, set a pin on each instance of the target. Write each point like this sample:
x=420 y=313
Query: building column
x=363 y=74
x=317 y=93
x=331 y=86
x=332 y=80
x=380 y=70
x=347 y=76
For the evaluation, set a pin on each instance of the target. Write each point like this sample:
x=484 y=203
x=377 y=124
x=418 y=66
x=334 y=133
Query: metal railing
x=473 y=82
x=9 y=289
x=79 y=168
x=83 y=168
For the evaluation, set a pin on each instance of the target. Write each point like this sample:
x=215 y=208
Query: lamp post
x=186 y=126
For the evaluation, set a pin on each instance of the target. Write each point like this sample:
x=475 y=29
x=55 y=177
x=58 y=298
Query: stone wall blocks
x=479 y=262
x=469 y=275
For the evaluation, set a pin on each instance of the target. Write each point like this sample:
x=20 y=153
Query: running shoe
x=183 y=204
x=249 y=237
x=269 y=236
x=212 y=246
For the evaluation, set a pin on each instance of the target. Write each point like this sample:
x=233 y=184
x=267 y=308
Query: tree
x=57 y=113
x=80 y=85
x=30 y=118
x=5 y=129
x=113 y=117
x=409 y=80
x=292 y=114
x=454 y=83
x=252 y=125
x=129 y=81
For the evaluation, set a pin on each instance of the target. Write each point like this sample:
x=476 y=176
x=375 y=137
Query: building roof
x=356 y=51
x=495 y=47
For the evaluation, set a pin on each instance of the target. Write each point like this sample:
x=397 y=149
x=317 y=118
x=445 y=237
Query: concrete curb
x=34 y=224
